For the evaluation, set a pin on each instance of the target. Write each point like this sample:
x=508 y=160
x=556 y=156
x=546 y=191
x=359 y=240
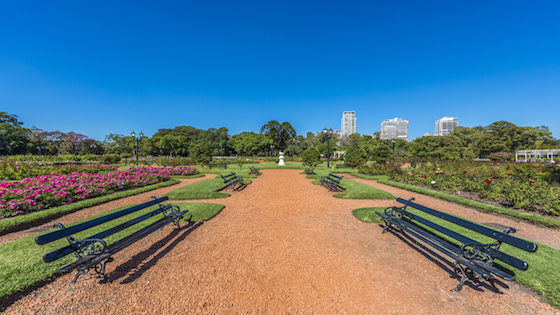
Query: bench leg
x=460 y=271
x=98 y=268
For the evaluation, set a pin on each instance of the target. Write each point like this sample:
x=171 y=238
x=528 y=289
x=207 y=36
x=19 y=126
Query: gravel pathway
x=543 y=235
x=281 y=245
x=104 y=207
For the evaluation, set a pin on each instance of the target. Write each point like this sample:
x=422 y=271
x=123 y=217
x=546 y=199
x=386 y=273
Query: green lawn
x=21 y=263
x=206 y=188
x=376 y=177
x=543 y=275
x=16 y=223
x=482 y=207
x=354 y=190
x=367 y=215
x=187 y=176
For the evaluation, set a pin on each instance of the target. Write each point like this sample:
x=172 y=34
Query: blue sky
x=99 y=67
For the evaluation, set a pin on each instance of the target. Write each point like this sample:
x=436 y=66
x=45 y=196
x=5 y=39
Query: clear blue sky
x=97 y=67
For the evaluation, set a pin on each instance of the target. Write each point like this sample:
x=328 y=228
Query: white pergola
x=531 y=155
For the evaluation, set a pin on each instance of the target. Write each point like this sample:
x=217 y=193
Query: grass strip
x=363 y=176
x=187 y=176
x=482 y=207
x=206 y=188
x=354 y=189
x=368 y=215
x=20 y=222
x=21 y=262
x=542 y=276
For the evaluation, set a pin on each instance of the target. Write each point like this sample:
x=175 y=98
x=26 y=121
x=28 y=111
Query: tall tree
x=279 y=133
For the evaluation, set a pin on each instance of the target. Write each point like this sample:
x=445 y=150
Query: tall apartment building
x=445 y=125
x=348 y=123
x=395 y=128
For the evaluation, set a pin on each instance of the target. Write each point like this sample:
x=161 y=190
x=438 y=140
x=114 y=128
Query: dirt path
x=543 y=235
x=281 y=245
x=91 y=211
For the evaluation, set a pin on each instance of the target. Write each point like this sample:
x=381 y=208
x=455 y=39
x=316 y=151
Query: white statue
x=281 y=160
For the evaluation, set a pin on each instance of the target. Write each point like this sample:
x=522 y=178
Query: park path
x=101 y=208
x=541 y=234
x=281 y=245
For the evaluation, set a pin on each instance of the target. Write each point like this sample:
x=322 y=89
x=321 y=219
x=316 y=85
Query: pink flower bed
x=47 y=191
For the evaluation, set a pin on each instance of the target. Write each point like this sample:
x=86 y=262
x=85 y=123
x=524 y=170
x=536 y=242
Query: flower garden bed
x=15 y=170
x=42 y=192
x=532 y=187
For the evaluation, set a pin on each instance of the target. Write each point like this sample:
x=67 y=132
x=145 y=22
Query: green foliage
x=355 y=156
x=110 y=159
x=201 y=152
x=311 y=157
x=483 y=207
x=518 y=185
x=250 y=144
x=501 y=156
x=279 y=133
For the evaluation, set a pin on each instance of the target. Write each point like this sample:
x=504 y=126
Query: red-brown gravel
x=281 y=245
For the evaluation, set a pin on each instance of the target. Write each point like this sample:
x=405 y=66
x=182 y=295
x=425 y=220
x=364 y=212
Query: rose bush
x=41 y=192
x=531 y=187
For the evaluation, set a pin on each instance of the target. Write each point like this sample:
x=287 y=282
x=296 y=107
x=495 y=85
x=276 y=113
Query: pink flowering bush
x=46 y=191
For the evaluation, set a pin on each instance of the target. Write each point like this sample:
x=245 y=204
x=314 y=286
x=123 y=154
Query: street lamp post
x=393 y=147
x=136 y=140
x=328 y=134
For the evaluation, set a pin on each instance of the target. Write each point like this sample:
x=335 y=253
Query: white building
x=445 y=125
x=395 y=128
x=348 y=123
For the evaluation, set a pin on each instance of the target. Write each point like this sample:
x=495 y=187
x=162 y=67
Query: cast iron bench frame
x=332 y=182
x=309 y=171
x=255 y=171
x=473 y=260
x=231 y=180
x=93 y=251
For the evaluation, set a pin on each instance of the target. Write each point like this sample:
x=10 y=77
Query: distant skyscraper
x=445 y=125
x=348 y=123
x=395 y=128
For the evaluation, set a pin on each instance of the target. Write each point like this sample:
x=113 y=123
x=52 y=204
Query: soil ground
x=281 y=245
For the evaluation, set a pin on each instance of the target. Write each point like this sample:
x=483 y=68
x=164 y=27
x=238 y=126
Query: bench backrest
x=335 y=176
x=56 y=235
x=486 y=231
x=225 y=177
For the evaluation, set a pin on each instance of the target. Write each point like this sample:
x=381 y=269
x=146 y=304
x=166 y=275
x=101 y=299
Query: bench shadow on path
x=135 y=263
x=446 y=265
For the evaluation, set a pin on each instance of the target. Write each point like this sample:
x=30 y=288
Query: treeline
x=497 y=139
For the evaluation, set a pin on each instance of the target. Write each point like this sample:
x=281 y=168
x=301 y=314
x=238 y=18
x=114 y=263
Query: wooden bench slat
x=56 y=235
x=88 y=261
x=61 y=252
x=510 y=260
x=497 y=235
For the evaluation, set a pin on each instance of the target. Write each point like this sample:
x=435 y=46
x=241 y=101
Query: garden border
x=21 y=222
x=480 y=206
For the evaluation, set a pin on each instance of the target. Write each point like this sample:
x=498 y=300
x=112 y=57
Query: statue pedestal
x=281 y=160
